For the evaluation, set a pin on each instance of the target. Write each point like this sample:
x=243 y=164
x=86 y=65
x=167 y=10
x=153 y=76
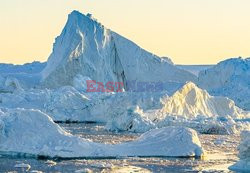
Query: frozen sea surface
x=221 y=153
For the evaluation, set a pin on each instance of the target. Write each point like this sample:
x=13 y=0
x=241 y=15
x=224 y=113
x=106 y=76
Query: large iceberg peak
x=77 y=18
x=75 y=13
x=87 y=48
x=78 y=46
x=81 y=25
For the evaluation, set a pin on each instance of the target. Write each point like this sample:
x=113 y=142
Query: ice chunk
x=244 y=153
x=230 y=78
x=85 y=47
x=191 y=107
x=31 y=132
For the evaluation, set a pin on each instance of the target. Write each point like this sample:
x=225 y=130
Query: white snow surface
x=33 y=133
x=244 y=153
x=85 y=47
x=230 y=78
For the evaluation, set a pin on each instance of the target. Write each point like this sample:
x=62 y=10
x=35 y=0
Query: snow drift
x=85 y=47
x=33 y=133
x=229 y=78
x=244 y=153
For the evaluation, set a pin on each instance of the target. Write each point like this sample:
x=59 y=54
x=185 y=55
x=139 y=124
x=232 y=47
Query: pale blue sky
x=188 y=31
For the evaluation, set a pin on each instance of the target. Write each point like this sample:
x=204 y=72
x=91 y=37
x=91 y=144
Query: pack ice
x=33 y=133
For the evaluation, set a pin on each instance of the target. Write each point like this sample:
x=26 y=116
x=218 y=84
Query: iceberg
x=191 y=107
x=20 y=76
x=191 y=101
x=68 y=104
x=32 y=133
x=229 y=78
x=244 y=154
x=85 y=47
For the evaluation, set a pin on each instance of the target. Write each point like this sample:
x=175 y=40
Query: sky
x=187 y=31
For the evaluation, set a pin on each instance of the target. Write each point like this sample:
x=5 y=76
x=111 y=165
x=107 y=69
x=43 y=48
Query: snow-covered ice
x=85 y=47
x=244 y=153
x=194 y=69
x=191 y=101
x=229 y=78
x=190 y=106
x=67 y=103
x=26 y=75
x=34 y=96
x=33 y=133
